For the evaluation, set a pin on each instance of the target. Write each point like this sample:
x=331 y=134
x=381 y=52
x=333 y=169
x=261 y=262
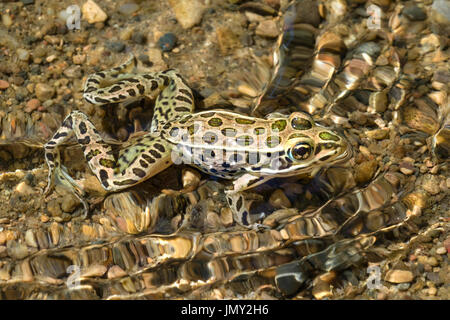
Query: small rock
x=3 y=254
x=128 y=8
x=378 y=101
x=116 y=272
x=88 y=231
x=430 y=42
x=30 y=240
x=414 y=13
x=167 y=41
x=441 y=250
x=432 y=291
x=188 y=12
x=126 y=34
x=434 y=277
x=116 y=46
x=226 y=216
x=17 y=250
x=92 y=12
x=24 y=189
x=399 y=276
x=32 y=105
x=138 y=38
x=431 y=184
x=23 y=54
x=212 y=221
x=432 y=261
x=6 y=19
x=44 y=91
x=247 y=90
x=54 y=232
x=267 y=28
x=253 y=17
x=95 y=270
x=406 y=168
x=279 y=200
x=4 y=85
x=227 y=40
x=378 y=134
x=79 y=58
x=26 y=2
x=190 y=178
x=321 y=289
x=441 y=11
x=403 y=286
x=365 y=171
x=73 y=72
x=54 y=208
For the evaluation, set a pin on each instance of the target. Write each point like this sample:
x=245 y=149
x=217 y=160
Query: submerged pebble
x=167 y=41
x=128 y=8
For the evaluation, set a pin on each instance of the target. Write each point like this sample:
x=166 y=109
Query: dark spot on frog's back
x=183 y=99
x=143 y=164
x=215 y=122
x=155 y=153
x=82 y=127
x=154 y=85
x=207 y=114
x=131 y=92
x=139 y=172
x=115 y=89
x=182 y=109
x=299 y=123
x=94 y=81
x=85 y=140
x=103 y=175
x=239 y=204
x=101 y=100
x=141 y=89
x=165 y=79
x=244 y=121
x=160 y=147
x=186 y=92
x=147 y=158
x=279 y=125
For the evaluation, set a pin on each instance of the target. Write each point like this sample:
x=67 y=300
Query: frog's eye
x=300 y=151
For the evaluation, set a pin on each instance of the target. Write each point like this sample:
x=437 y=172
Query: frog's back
x=225 y=143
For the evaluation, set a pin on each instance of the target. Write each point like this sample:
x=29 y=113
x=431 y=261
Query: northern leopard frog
x=221 y=143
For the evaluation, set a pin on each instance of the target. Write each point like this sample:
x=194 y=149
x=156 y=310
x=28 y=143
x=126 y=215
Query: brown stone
x=4 y=85
x=32 y=105
x=399 y=276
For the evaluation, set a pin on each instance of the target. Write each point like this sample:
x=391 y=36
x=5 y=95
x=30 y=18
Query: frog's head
x=308 y=146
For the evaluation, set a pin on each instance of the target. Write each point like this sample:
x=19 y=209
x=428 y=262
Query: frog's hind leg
x=118 y=84
x=148 y=156
x=239 y=206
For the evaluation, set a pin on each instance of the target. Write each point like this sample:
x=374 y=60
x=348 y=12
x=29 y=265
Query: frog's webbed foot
x=58 y=175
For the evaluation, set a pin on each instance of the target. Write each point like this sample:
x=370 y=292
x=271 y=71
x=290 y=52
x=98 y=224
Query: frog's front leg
x=239 y=205
x=148 y=156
